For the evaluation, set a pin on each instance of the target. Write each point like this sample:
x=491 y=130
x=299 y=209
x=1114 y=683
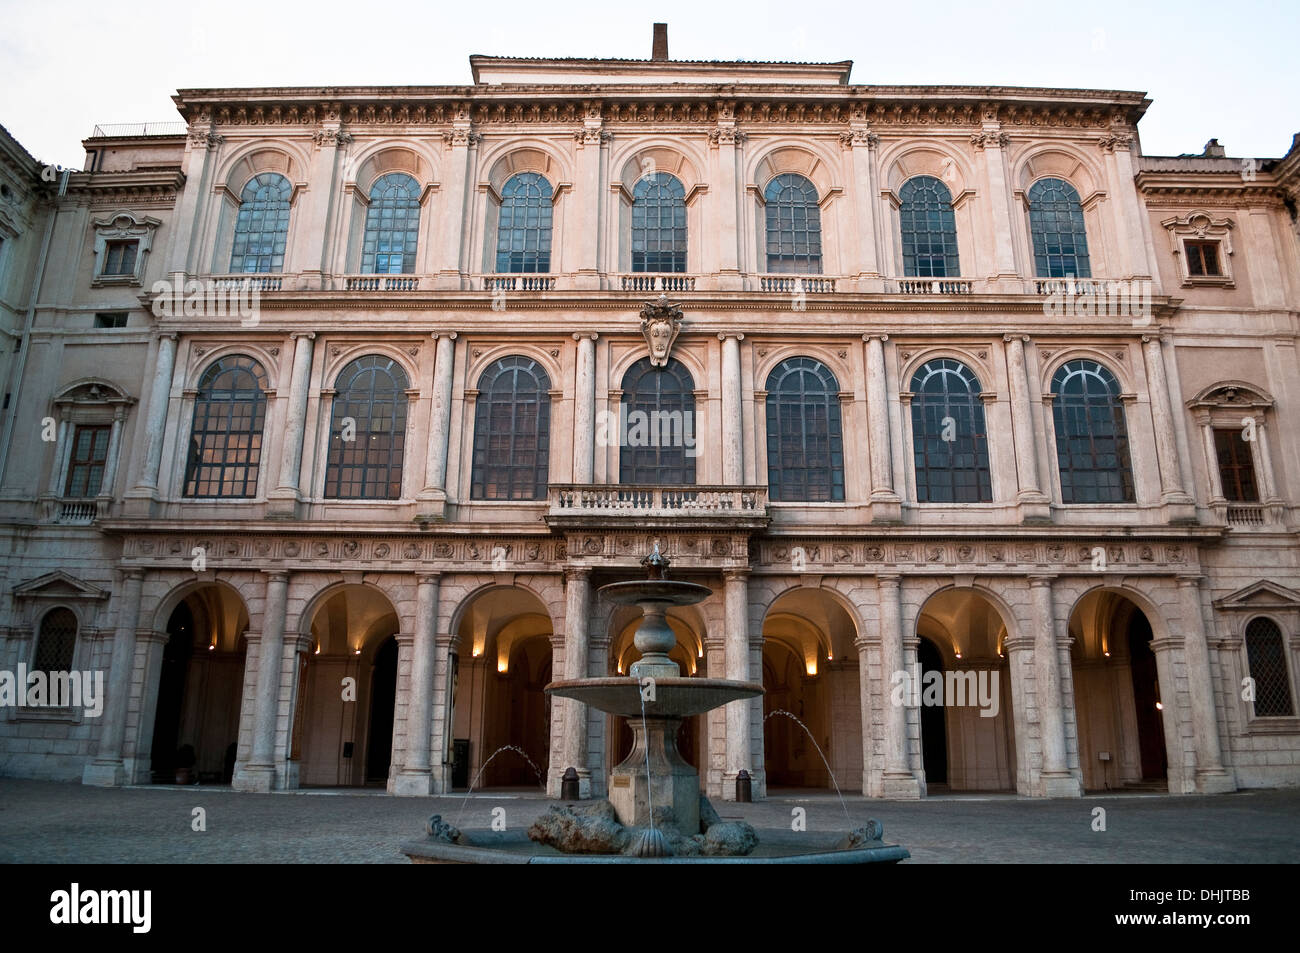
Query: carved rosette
x=661 y=321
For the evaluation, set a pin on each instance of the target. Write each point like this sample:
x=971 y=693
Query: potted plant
x=185 y=764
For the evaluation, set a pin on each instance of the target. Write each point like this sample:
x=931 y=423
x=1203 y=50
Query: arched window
x=658 y=436
x=1091 y=436
x=55 y=644
x=794 y=226
x=929 y=229
x=658 y=224
x=1266 y=653
x=226 y=435
x=367 y=431
x=1056 y=224
x=512 y=430
x=949 y=447
x=392 y=226
x=262 y=226
x=524 y=228
x=805 y=447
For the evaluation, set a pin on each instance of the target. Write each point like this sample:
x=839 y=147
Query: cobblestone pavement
x=42 y=821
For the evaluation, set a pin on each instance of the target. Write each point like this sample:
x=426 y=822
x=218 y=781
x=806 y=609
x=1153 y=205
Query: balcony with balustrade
x=582 y=505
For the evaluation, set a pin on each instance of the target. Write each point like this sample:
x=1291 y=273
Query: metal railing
x=123 y=130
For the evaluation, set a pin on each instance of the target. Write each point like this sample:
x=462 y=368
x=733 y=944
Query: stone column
x=455 y=187
x=1057 y=781
x=107 y=768
x=863 y=646
x=155 y=423
x=991 y=142
x=295 y=424
x=1211 y=458
x=1019 y=670
x=1171 y=488
x=435 y=461
x=114 y=452
x=259 y=773
x=1211 y=778
x=1034 y=502
x=732 y=411
x=590 y=149
x=584 y=409
x=897 y=781
x=577 y=619
x=882 y=468
x=861 y=143
x=62 y=452
x=416 y=777
x=736 y=652
x=314 y=261
x=443 y=712
x=1128 y=212
x=1264 y=463
x=725 y=138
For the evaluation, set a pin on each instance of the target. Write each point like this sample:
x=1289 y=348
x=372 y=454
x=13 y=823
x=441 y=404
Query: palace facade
x=328 y=412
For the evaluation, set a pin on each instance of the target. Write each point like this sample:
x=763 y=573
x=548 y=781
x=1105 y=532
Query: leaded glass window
x=524 y=227
x=392 y=226
x=929 y=229
x=89 y=455
x=58 y=639
x=658 y=434
x=794 y=226
x=226 y=434
x=1056 y=225
x=262 y=226
x=367 y=431
x=805 y=448
x=512 y=429
x=1266 y=653
x=1092 y=451
x=949 y=444
x=658 y=224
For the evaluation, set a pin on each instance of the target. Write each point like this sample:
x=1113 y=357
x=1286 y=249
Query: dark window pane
x=512 y=432
x=929 y=229
x=794 y=239
x=262 y=225
x=1091 y=436
x=226 y=435
x=805 y=453
x=1056 y=226
x=1266 y=653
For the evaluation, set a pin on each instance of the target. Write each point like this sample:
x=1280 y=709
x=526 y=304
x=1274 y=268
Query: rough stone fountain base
x=590 y=833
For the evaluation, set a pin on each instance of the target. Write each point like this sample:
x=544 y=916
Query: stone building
x=327 y=412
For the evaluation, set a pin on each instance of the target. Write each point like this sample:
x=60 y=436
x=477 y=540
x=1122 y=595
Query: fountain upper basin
x=673 y=697
x=669 y=592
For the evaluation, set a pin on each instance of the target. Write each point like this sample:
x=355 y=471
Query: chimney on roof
x=659 y=50
x=1213 y=149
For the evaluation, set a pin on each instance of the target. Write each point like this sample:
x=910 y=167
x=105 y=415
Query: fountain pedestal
x=672 y=782
x=655 y=709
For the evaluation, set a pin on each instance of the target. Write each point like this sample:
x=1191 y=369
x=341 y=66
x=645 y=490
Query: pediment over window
x=1232 y=395
x=1259 y=596
x=92 y=390
x=125 y=224
x=58 y=585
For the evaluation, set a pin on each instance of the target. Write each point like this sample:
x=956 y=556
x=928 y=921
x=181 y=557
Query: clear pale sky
x=1227 y=70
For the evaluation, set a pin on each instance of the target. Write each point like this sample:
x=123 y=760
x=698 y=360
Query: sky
x=1213 y=69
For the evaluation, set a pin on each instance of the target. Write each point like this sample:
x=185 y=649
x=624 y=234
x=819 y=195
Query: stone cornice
x=747 y=103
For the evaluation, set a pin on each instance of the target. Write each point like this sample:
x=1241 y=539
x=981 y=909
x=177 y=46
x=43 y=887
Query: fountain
x=654 y=812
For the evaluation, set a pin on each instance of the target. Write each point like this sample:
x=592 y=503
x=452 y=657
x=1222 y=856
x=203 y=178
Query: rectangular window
x=1236 y=465
x=119 y=258
x=1203 y=259
x=110 y=319
x=86 y=468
